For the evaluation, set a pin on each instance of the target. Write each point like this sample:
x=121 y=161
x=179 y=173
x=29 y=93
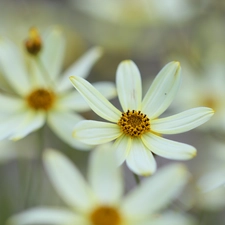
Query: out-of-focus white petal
x=140 y=159
x=62 y=123
x=75 y=101
x=122 y=147
x=67 y=180
x=9 y=123
x=182 y=122
x=212 y=180
x=162 y=91
x=170 y=218
x=155 y=192
x=167 y=148
x=95 y=132
x=13 y=67
x=10 y=104
x=98 y=103
x=52 y=53
x=104 y=175
x=80 y=68
x=32 y=121
x=44 y=216
x=128 y=82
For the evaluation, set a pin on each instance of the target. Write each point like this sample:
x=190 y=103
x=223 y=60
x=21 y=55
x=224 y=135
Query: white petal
x=167 y=148
x=98 y=103
x=53 y=52
x=182 y=122
x=140 y=160
x=122 y=147
x=67 y=180
x=80 y=68
x=128 y=82
x=104 y=175
x=155 y=192
x=170 y=218
x=11 y=104
x=13 y=66
x=75 y=101
x=162 y=91
x=95 y=132
x=62 y=123
x=44 y=216
x=32 y=122
x=10 y=123
x=212 y=180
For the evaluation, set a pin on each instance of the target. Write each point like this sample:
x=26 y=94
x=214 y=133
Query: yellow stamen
x=34 y=43
x=134 y=123
x=105 y=215
x=41 y=99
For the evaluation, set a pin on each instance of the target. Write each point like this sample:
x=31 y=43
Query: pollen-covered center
x=105 y=215
x=134 y=123
x=41 y=99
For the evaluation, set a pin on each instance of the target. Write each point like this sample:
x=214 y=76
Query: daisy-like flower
x=137 y=129
x=41 y=94
x=101 y=202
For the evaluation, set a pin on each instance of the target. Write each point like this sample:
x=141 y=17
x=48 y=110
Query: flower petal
x=62 y=123
x=44 y=216
x=75 y=101
x=95 y=132
x=67 y=180
x=182 y=122
x=122 y=147
x=104 y=175
x=167 y=148
x=11 y=104
x=162 y=91
x=212 y=180
x=80 y=68
x=9 y=123
x=140 y=159
x=155 y=192
x=32 y=121
x=170 y=218
x=13 y=67
x=98 y=103
x=128 y=82
x=51 y=56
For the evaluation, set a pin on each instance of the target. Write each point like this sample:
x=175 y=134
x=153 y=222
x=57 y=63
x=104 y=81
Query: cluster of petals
x=137 y=151
x=27 y=74
x=105 y=189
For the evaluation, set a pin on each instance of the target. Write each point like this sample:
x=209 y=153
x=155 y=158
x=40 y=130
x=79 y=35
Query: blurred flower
x=138 y=129
x=100 y=202
x=205 y=89
x=137 y=12
x=41 y=94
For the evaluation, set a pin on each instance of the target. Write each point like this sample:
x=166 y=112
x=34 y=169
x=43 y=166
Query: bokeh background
x=151 y=33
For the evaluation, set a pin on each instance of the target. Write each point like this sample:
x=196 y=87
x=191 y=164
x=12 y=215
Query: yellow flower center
x=134 y=123
x=41 y=99
x=105 y=215
x=34 y=43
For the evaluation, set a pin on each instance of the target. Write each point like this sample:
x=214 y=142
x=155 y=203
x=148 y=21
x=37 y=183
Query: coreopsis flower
x=101 y=201
x=41 y=95
x=207 y=89
x=138 y=129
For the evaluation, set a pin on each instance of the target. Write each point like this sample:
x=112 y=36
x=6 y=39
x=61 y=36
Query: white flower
x=41 y=94
x=137 y=129
x=101 y=202
x=207 y=89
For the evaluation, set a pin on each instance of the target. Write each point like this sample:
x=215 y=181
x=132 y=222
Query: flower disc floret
x=41 y=99
x=134 y=123
x=105 y=215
